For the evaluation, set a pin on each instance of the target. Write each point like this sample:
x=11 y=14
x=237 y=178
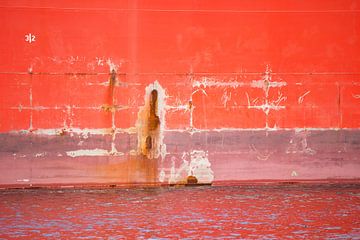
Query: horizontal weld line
x=176 y=74
x=107 y=131
x=186 y=10
x=42 y=108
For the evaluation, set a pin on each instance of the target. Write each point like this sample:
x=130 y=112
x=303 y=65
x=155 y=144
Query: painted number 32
x=29 y=38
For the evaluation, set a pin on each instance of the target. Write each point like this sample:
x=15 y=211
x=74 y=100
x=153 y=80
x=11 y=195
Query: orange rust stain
x=132 y=169
x=153 y=121
x=150 y=126
x=62 y=132
x=190 y=104
x=191 y=180
x=109 y=106
x=142 y=167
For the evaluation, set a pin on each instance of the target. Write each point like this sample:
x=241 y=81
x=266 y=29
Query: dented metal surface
x=140 y=97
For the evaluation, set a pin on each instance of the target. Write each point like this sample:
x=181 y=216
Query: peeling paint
x=194 y=163
x=200 y=166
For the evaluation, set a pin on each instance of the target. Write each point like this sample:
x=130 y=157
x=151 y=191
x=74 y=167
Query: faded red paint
x=224 y=65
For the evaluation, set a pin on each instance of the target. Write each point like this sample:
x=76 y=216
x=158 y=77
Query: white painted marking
x=30 y=38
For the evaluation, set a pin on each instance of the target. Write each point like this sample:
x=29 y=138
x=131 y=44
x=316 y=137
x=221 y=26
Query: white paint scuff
x=23 y=180
x=200 y=166
x=195 y=163
x=301 y=98
x=112 y=65
x=40 y=154
x=205 y=82
x=299 y=144
x=294 y=174
x=92 y=153
x=264 y=155
x=268 y=104
x=225 y=98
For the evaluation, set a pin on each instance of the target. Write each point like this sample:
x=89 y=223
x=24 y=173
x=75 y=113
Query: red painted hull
x=245 y=91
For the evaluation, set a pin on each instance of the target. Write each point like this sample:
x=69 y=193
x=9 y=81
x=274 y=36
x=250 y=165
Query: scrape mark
x=211 y=82
x=225 y=98
x=301 y=98
x=112 y=65
x=294 y=173
x=179 y=106
x=23 y=180
x=268 y=105
x=263 y=156
x=356 y=96
x=40 y=154
x=299 y=144
x=91 y=152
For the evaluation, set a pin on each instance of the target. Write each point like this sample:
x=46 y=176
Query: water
x=243 y=212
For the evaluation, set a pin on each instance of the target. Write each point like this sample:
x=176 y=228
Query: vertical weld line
x=112 y=106
x=31 y=119
x=113 y=109
x=191 y=100
x=205 y=118
x=31 y=103
x=339 y=105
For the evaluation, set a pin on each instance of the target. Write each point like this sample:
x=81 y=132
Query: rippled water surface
x=244 y=212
